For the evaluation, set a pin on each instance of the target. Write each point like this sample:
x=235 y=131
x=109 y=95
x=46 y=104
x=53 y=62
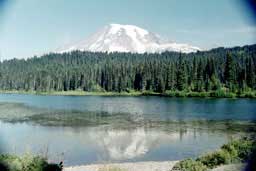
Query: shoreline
x=145 y=166
x=179 y=94
x=129 y=166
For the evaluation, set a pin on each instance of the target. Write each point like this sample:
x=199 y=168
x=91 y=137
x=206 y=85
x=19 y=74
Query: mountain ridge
x=127 y=38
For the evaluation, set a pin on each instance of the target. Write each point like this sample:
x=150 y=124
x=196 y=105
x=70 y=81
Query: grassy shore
x=72 y=93
x=214 y=94
x=234 y=152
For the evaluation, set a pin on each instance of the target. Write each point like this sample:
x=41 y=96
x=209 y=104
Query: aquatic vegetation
x=18 y=112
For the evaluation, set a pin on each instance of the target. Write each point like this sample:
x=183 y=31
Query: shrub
x=230 y=95
x=233 y=152
x=175 y=93
x=198 y=94
x=216 y=158
x=180 y=94
x=218 y=93
x=26 y=163
x=249 y=95
x=189 y=165
x=240 y=149
x=170 y=93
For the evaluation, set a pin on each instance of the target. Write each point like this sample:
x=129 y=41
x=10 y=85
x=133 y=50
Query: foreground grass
x=215 y=94
x=237 y=151
x=26 y=163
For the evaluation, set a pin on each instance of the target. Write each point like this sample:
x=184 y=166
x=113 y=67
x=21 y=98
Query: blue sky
x=29 y=27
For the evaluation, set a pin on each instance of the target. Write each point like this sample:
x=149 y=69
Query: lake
x=98 y=129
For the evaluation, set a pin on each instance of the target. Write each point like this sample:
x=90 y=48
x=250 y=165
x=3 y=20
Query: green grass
x=214 y=94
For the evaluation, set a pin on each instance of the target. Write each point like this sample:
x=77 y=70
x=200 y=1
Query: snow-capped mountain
x=127 y=38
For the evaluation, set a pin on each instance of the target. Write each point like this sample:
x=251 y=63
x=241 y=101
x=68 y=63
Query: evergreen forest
x=218 y=70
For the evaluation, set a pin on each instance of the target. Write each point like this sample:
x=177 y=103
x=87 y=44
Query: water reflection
x=85 y=145
x=128 y=144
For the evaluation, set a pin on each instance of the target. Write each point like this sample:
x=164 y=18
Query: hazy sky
x=29 y=27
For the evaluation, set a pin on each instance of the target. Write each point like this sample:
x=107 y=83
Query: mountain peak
x=127 y=38
x=130 y=28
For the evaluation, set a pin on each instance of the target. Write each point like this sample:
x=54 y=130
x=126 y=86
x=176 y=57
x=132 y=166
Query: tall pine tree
x=229 y=73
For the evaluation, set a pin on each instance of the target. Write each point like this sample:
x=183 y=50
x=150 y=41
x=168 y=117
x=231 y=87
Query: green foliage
x=250 y=73
x=218 y=93
x=181 y=75
x=189 y=165
x=248 y=94
x=240 y=149
x=230 y=95
x=229 y=72
x=216 y=158
x=198 y=94
x=180 y=94
x=25 y=163
x=233 y=152
x=199 y=82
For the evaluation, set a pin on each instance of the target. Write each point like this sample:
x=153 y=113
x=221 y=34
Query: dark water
x=131 y=142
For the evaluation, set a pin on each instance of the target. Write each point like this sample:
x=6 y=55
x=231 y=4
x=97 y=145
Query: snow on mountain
x=127 y=38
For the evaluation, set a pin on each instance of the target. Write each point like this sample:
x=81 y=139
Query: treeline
x=232 y=69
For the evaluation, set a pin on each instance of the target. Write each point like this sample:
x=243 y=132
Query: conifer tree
x=229 y=71
x=181 y=77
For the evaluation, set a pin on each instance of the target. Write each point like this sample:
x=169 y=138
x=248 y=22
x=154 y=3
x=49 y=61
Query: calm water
x=109 y=143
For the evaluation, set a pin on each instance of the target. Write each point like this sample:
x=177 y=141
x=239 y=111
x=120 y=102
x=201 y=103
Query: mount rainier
x=127 y=38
